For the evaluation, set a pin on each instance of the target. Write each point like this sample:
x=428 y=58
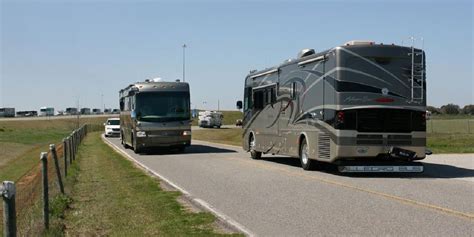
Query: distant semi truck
x=155 y=114
x=7 y=112
x=46 y=111
x=31 y=113
x=210 y=119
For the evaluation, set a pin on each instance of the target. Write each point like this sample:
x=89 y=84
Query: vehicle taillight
x=340 y=117
x=384 y=100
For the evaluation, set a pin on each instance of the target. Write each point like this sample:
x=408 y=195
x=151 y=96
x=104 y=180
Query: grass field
x=22 y=141
x=112 y=197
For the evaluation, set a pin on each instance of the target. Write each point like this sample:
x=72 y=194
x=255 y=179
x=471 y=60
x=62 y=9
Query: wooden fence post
x=44 y=162
x=52 y=148
x=8 y=193
x=69 y=145
x=65 y=156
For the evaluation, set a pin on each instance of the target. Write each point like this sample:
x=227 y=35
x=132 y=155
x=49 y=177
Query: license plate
x=402 y=153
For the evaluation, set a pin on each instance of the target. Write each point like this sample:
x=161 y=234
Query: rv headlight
x=141 y=134
x=186 y=133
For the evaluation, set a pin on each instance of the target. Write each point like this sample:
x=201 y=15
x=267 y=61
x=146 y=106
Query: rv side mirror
x=239 y=104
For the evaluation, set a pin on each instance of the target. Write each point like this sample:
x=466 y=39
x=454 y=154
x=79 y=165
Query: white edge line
x=221 y=216
x=216 y=143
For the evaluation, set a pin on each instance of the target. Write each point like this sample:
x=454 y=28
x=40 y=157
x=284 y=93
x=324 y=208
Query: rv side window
x=268 y=98
x=248 y=98
x=127 y=103
x=258 y=99
x=270 y=95
x=122 y=104
x=132 y=103
x=293 y=90
x=274 y=94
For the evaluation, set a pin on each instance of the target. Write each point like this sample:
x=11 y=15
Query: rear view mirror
x=239 y=104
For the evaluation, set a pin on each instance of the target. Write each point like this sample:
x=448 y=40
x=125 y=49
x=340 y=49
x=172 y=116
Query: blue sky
x=54 y=53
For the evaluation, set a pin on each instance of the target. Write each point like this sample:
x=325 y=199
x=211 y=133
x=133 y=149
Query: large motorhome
x=155 y=114
x=210 y=119
x=46 y=111
x=7 y=112
x=85 y=111
x=360 y=106
x=71 y=111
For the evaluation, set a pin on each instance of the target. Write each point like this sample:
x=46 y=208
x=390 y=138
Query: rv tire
x=306 y=162
x=135 y=146
x=122 y=140
x=253 y=153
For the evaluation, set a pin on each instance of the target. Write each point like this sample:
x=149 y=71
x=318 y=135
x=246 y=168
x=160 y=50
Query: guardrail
x=21 y=199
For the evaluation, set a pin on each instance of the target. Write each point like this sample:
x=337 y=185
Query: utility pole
x=78 y=112
x=184 y=62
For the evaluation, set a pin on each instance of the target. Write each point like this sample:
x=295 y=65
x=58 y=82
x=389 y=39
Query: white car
x=112 y=127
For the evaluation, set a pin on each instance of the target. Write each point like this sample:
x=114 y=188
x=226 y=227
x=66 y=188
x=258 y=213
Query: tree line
x=451 y=109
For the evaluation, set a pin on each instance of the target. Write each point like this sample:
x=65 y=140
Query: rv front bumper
x=162 y=141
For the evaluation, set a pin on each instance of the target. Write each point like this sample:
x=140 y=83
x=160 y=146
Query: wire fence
x=31 y=217
x=450 y=126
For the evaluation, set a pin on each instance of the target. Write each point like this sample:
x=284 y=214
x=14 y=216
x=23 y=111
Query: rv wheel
x=253 y=153
x=306 y=162
x=135 y=146
x=122 y=140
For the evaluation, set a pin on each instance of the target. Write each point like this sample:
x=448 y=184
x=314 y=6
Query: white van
x=112 y=127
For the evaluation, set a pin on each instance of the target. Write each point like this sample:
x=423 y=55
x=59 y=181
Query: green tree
x=468 y=109
x=450 y=109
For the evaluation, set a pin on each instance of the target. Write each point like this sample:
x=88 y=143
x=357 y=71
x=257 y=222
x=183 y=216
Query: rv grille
x=388 y=120
x=369 y=139
x=399 y=140
x=324 y=146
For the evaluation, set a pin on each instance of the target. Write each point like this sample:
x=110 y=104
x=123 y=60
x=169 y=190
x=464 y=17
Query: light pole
x=102 y=102
x=184 y=62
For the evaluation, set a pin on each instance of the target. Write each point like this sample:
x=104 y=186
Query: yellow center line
x=468 y=216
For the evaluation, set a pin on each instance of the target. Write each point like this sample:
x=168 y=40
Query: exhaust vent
x=324 y=146
x=305 y=52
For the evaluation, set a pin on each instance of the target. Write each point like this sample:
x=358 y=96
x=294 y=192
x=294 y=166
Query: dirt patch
x=9 y=151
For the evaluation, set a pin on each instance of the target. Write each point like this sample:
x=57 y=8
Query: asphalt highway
x=276 y=197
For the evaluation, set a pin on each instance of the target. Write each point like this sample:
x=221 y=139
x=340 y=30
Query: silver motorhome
x=353 y=105
x=155 y=114
x=7 y=112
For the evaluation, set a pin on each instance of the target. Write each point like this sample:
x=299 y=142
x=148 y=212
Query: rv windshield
x=162 y=106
